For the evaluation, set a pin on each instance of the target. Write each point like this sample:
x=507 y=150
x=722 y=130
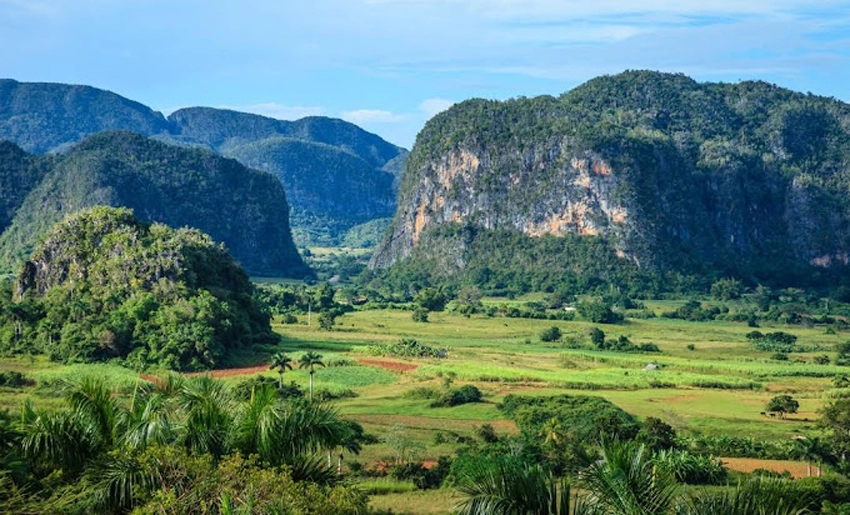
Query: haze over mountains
x=659 y=171
x=338 y=158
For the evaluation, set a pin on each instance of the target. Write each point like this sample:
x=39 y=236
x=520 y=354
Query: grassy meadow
x=710 y=380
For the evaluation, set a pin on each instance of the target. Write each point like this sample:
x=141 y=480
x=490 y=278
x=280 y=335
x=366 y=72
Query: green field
x=719 y=387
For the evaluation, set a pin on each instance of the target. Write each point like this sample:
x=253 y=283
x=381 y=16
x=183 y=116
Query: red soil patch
x=395 y=366
x=798 y=469
x=229 y=372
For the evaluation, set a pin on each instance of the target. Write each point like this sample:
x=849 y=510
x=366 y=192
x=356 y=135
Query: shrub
x=692 y=469
x=15 y=379
x=823 y=359
x=456 y=396
x=552 y=334
x=420 y=314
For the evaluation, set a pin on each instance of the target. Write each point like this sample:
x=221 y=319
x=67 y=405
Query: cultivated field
x=710 y=381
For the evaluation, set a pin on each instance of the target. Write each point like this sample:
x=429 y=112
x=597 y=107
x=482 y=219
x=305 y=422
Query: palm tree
x=508 y=488
x=626 y=481
x=207 y=407
x=811 y=449
x=281 y=362
x=754 y=496
x=310 y=360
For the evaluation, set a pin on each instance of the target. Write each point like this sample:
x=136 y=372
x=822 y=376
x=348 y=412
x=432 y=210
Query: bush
x=407 y=348
x=552 y=334
x=15 y=379
x=692 y=469
x=456 y=396
x=420 y=314
x=598 y=312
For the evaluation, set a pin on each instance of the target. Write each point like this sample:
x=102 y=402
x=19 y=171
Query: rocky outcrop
x=676 y=175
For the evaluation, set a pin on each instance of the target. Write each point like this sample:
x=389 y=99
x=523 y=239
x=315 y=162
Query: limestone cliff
x=746 y=178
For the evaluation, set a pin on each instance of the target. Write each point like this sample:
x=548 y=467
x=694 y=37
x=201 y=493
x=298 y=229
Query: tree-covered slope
x=335 y=190
x=222 y=129
x=746 y=179
x=20 y=172
x=40 y=117
x=245 y=209
x=43 y=117
x=104 y=285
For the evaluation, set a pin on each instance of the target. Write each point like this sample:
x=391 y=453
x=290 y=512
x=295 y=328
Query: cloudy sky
x=388 y=65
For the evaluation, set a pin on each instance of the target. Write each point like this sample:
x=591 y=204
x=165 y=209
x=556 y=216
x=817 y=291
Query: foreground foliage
x=180 y=446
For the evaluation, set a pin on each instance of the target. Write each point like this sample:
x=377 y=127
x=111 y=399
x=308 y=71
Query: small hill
x=104 y=285
x=41 y=117
x=245 y=209
x=643 y=172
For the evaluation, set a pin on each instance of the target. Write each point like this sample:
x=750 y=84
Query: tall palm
x=508 y=488
x=627 y=482
x=281 y=362
x=310 y=360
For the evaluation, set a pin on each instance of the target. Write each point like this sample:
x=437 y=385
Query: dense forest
x=245 y=209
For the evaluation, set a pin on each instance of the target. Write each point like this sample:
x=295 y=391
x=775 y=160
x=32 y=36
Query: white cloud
x=279 y=111
x=372 y=116
x=433 y=106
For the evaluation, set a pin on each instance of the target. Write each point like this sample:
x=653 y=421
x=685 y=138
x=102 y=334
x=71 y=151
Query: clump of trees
x=105 y=286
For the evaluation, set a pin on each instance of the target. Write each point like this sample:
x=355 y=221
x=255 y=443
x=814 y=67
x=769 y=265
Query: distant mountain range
x=653 y=172
x=322 y=161
x=244 y=209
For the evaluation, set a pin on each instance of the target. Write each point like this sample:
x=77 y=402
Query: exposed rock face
x=675 y=174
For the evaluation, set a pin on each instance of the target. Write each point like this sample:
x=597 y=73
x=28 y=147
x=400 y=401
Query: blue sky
x=388 y=65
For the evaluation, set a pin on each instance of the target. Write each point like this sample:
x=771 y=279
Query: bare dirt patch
x=798 y=469
x=394 y=366
x=230 y=372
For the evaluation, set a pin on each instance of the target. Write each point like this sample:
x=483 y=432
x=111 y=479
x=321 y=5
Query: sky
x=389 y=65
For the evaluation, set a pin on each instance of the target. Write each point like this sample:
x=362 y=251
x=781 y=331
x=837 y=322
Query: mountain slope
x=747 y=179
x=245 y=209
x=40 y=117
x=336 y=190
x=223 y=129
x=19 y=174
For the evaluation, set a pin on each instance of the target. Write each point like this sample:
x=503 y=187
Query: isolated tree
x=782 y=404
x=281 y=362
x=326 y=320
x=835 y=420
x=310 y=360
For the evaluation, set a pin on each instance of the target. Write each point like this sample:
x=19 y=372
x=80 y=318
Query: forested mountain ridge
x=42 y=117
x=243 y=208
x=745 y=179
x=337 y=189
